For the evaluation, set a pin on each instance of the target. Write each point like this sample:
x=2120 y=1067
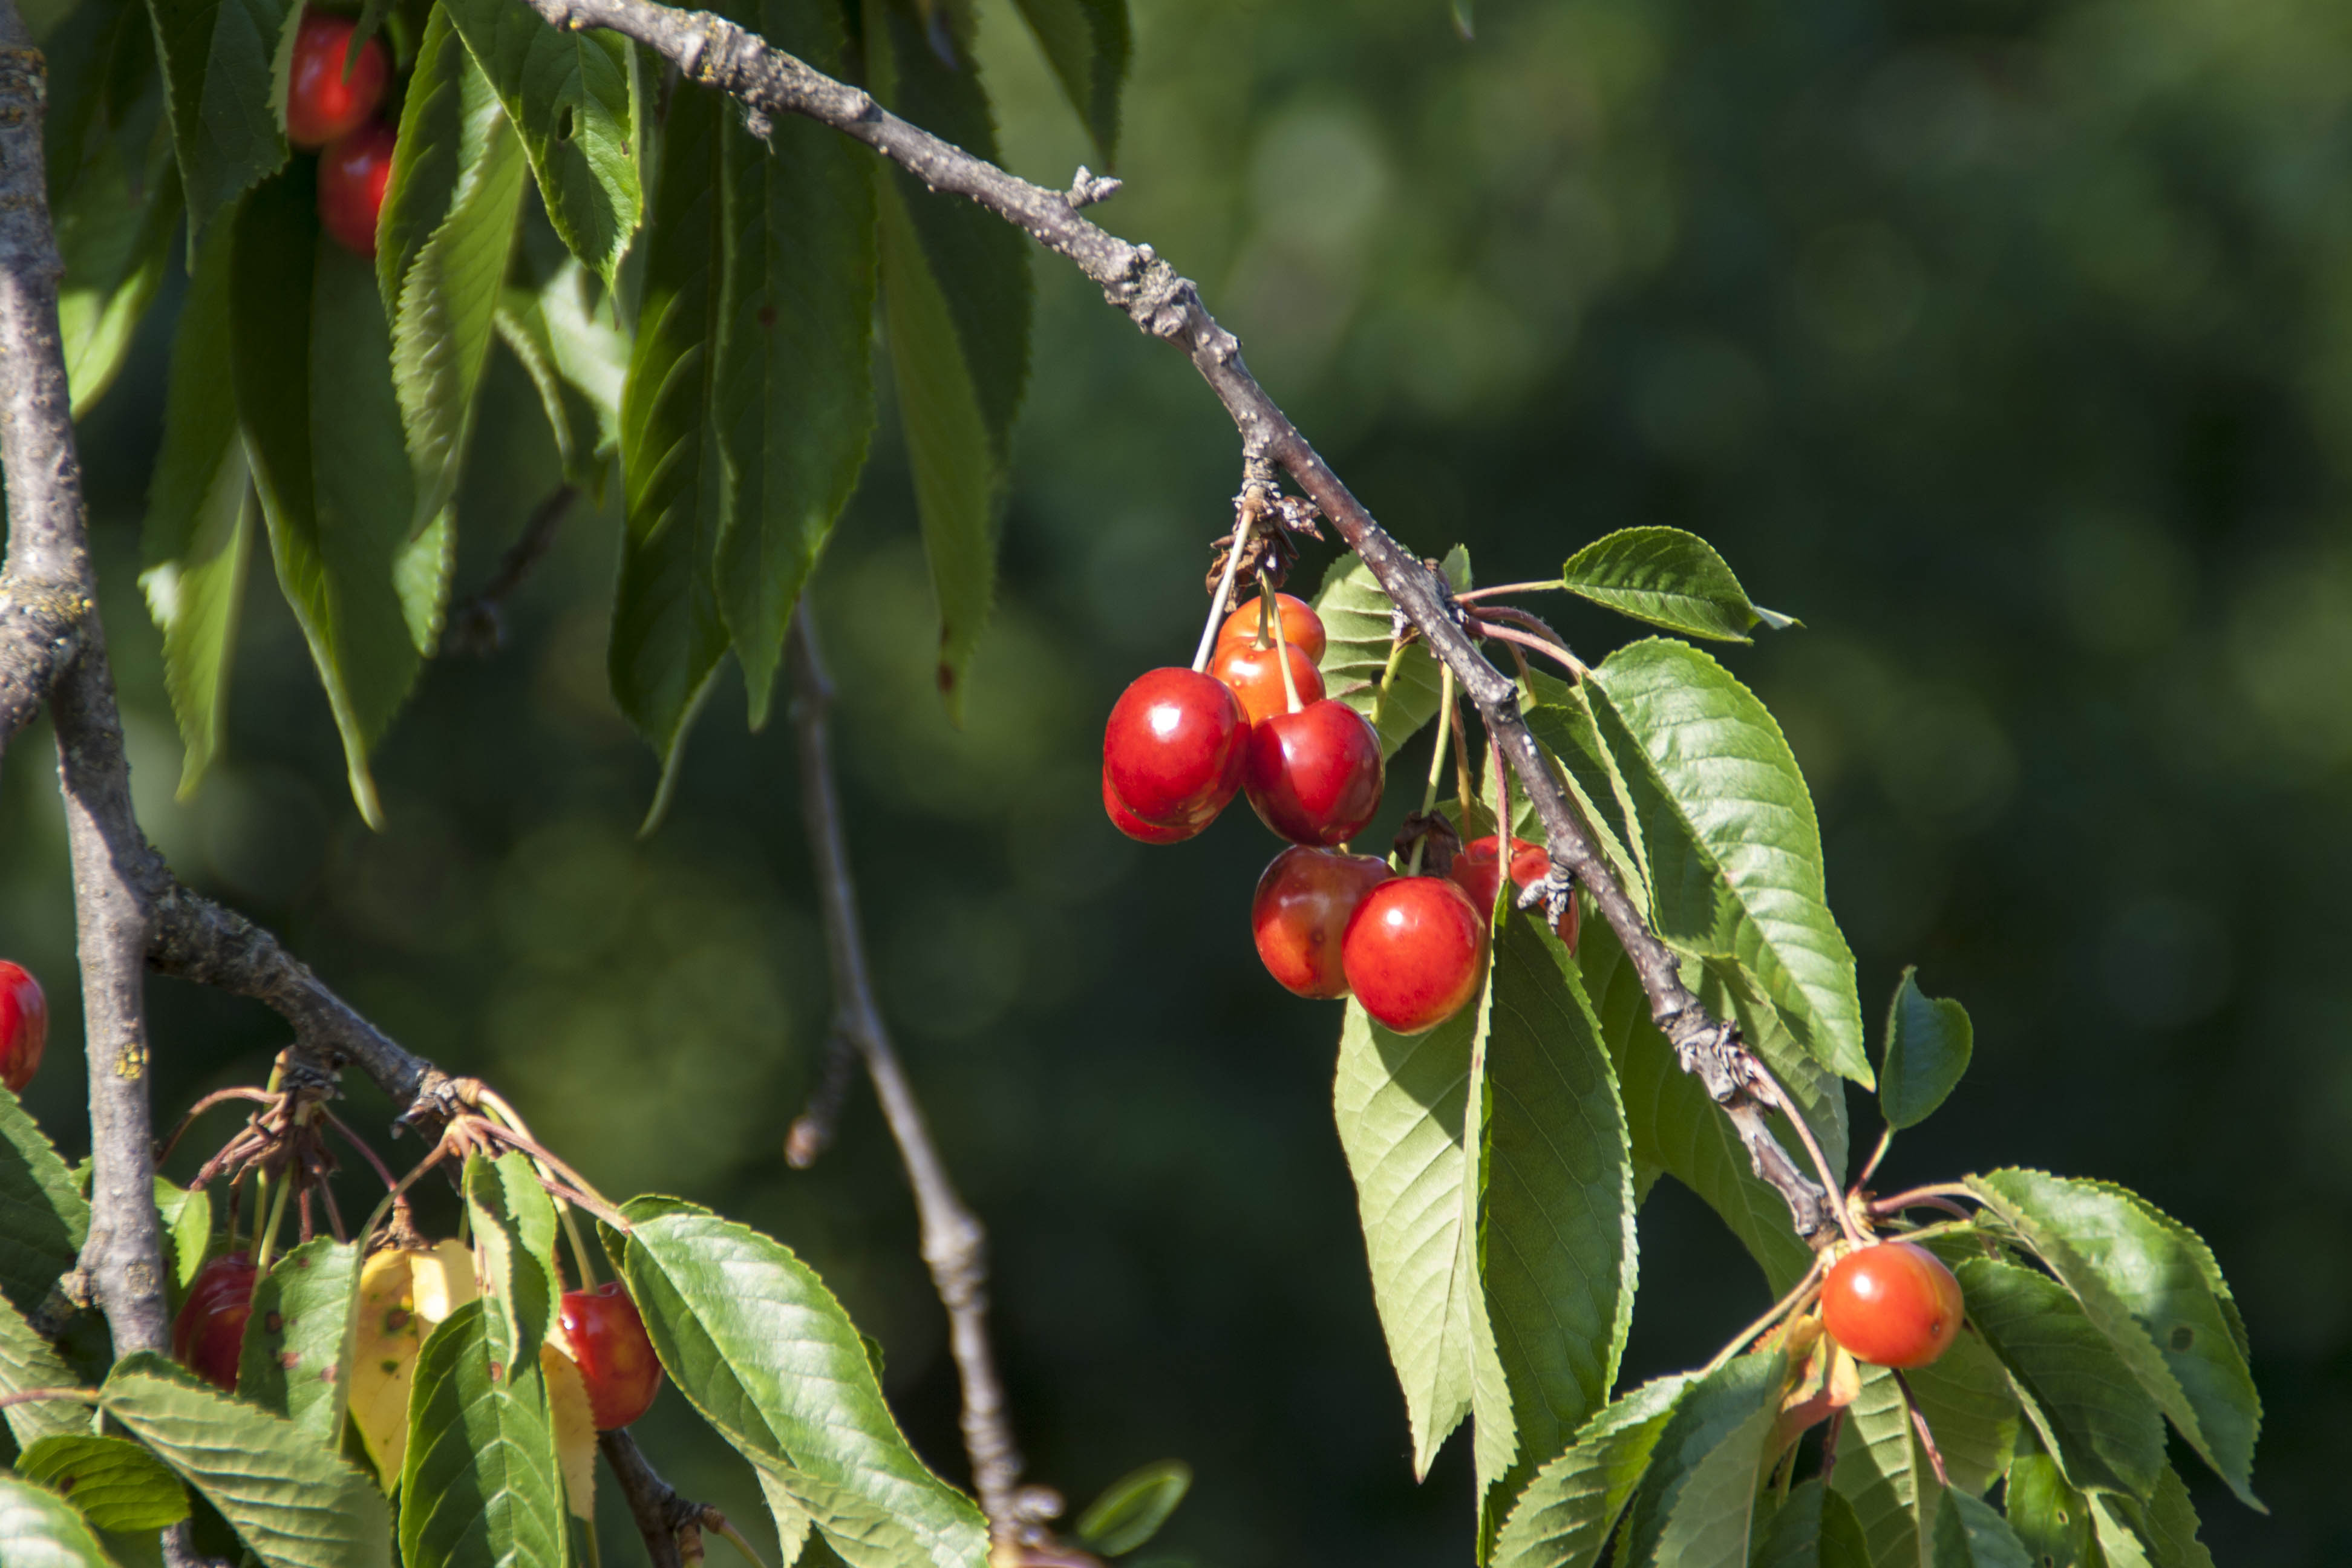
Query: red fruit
x=24 y=1027
x=1304 y=899
x=209 y=1334
x=1256 y=680
x=1301 y=627
x=1476 y=866
x=1314 y=776
x=1894 y=1304
x=322 y=102
x=352 y=174
x=607 y=1340
x=1172 y=750
x=1143 y=832
x=1414 y=952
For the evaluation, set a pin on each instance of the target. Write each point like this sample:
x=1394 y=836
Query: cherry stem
x=1798 y=1296
x=548 y=1164
x=716 y=1522
x=1781 y=1100
x=218 y=1097
x=356 y=1142
x=1870 y=1167
x=1518 y=639
x=1919 y=1421
x=268 y=1242
x=440 y=1153
x=1217 y=602
x=1281 y=641
x=1830 y=1445
x=1437 y=759
x=1550 y=584
x=1465 y=790
x=1490 y=615
x=1502 y=776
x=1885 y=1207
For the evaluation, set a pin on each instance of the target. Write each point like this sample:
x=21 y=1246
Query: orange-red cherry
x=1172 y=749
x=1256 y=678
x=1314 y=776
x=1304 y=899
x=322 y=101
x=209 y=1335
x=353 y=172
x=1414 y=952
x=24 y=1027
x=1301 y=627
x=607 y=1340
x=1894 y=1304
x=1477 y=866
x=1144 y=832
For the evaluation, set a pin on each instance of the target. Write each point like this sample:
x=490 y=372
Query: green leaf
x=448 y=224
x=1729 y=992
x=40 y=1530
x=1561 y=719
x=224 y=67
x=1972 y=1410
x=578 y=362
x=298 y=1342
x=573 y=96
x=1668 y=578
x=2051 y=1518
x=1132 y=1508
x=119 y=1486
x=1928 y=1039
x=199 y=528
x=1882 y=1472
x=760 y=1348
x=2162 y=1534
x=114 y=233
x=30 y=1362
x=1563 y=1518
x=2146 y=1282
x=1695 y=1506
x=296 y=1503
x=1816 y=1528
x=42 y=1215
x=1730 y=840
x=1085 y=42
x=1358 y=620
x=514 y=1225
x=480 y=1483
x=2104 y=1430
x=188 y=1222
x=1970 y=1534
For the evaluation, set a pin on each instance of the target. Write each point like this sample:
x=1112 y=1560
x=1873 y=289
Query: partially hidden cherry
x=24 y=1027
x=1894 y=1304
x=1314 y=776
x=1172 y=749
x=1144 y=832
x=1414 y=952
x=209 y=1334
x=1304 y=902
x=353 y=172
x=607 y=1340
x=1256 y=678
x=322 y=101
x=1477 y=866
x=1301 y=627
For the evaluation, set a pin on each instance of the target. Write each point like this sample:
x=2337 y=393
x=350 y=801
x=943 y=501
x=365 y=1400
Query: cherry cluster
x=24 y=1027
x=332 y=111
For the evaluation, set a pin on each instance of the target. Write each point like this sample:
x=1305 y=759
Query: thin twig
x=659 y=1512
x=1786 y=1103
x=1496 y=590
x=477 y=624
x=812 y=1131
x=1919 y=1423
x=1796 y=1298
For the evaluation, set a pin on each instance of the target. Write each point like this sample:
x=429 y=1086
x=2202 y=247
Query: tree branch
x=660 y=1513
x=477 y=623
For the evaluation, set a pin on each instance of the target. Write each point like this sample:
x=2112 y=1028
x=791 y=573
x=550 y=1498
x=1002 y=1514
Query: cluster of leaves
x=1501 y=1159
x=692 y=299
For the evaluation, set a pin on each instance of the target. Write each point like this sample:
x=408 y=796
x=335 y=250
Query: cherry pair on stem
x=331 y=97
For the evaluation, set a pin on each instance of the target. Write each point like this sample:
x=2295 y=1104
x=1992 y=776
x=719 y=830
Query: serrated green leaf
x=760 y=1348
x=104 y=95
x=1972 y=1410
x=578 y=362
x=188 y=1224
x=294 y=1502
x=1729 y=838
x=1563 y=1518
x=480 y=1483
x=514 y=1225
x=118 y=1486
x=2051 y=1518
x=1358 y=620
x=1561 y=720
x=1816 y=1528
x=1928 y=1040
x=1668 y=578
x=28 y=1361
x=42 y=1215
x=2160 y=1534
x=1695 y=1506
x=792 y=1521
x=297 y=1344
x=1970 y=1534
x=114 y=233
x=2143 y=1285
x=573 y=96
x=1132 y=1508
x=1085 y=42
x=40 y=1530
x=2104 y=1430
x=1882 y=1472
x=224 y=65
x=1729 y=991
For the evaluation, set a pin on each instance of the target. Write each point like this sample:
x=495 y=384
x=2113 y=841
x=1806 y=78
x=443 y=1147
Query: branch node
x=1088 y=187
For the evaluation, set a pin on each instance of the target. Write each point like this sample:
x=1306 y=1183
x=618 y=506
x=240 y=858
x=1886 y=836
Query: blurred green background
x=2007 y=344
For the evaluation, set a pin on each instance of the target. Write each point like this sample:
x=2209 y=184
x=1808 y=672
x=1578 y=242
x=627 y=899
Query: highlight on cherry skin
x=24 y=1026
x=1315 y=776
x=1256 y=677
x=1893 y=1304
x=1304 y=899
x=1172 y=749
x=606 y=1341
x=1302 y=628
x=1477 y=866
x=1414 y=952
x=209 y=1334
x=322 y=101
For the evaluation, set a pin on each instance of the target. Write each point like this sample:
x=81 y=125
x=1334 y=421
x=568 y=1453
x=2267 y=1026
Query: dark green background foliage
x=2005 y=344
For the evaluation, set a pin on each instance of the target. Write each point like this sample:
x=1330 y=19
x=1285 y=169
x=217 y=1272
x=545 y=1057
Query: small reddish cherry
x=1894 y=1304
x=607 y=1340
x=1256 y=678
x=209 y=1334
x=322 y=101
x=1314 y=776
x=1172 y=749
x=352 y=174
x=1304 y=902
x=1476 y=866
x=1144 y=832
x=24 y=1027
x=1414 y=952
x=1301 y=627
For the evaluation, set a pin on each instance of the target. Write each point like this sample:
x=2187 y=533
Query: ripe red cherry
x=322 y=102
x=607 y=1340
x=1256 y=678
x=1314 y=776
x=1894 y=1304
x=1301 y=627
x=352 y=174
x=1304 y=899
x=1414 y=953
x=24 y=1027
x=1477 y=866
x=1172 y=750
x=209 y=1334
x=1143 y=832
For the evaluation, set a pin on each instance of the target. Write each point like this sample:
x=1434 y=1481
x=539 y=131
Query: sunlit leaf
x=1883 y=1473
x=1815 y=1528
x=480 y=1483
x=1565 y=1515
x=401 y=1295
x=2104 y=1431
x=1695 y=1506
x=42 y=1215
x=30 y=1362
x=1928 y=1039
x=1359 y=620
x=298 y=1342
x=223 y=61
x=1970 y=1534
x=2051 y=1518
x=117 y=1485
x=578 y=362
x=1561 y=719
x=1132 y=1508
x=1668 y=578
x=574 y=1423
x=40 y=1530
x=2160 y=1534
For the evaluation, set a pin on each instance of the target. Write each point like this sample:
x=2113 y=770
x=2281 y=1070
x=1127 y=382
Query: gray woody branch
x=721 y=55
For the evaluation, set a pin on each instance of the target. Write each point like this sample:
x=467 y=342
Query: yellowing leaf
x=575 y=1431
x=401 y=1295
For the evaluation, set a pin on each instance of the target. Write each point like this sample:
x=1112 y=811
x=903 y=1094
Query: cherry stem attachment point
x=1780 y=1099
x=1436 y=758
x=1870 y=1166
x=1281 y=641
x=1520 y=639
x=1224 y=593
x=218 y=1097
x=1549 y=586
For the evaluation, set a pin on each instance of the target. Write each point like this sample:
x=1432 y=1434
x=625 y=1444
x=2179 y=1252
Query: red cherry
x=607 y=1340
x=322 y=102
x=24 y=1027
x=1172 y=750
x=1414 y=952
x=1894 y=1304
x=352 y=174
x=1143 y=832
x=1301 y=627
x=1304 y=899
x=1314 y=776
x=1477 y=867
x=1256 y=680
x=209 y=1334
